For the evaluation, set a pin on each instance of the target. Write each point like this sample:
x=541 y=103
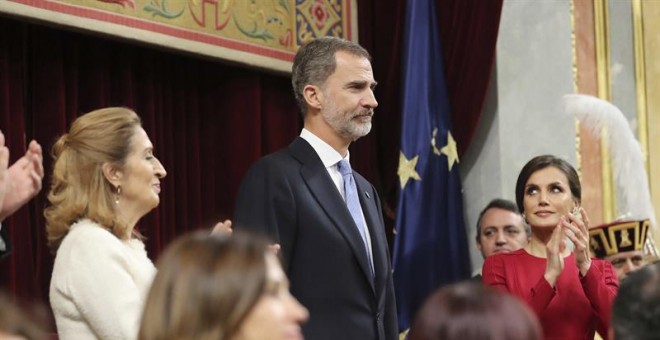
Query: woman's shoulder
x=87 y=234
x=86 y=228
x=511 y=258
x=500 y=258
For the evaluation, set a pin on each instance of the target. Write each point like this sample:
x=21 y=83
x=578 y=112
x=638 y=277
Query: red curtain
x=469 y=34
x=208 y=120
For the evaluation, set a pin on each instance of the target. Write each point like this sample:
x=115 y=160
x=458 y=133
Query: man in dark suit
x=18 y=183
x=500 y=229
x=326 y=218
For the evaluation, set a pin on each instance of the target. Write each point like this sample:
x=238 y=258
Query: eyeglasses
x=636 y=260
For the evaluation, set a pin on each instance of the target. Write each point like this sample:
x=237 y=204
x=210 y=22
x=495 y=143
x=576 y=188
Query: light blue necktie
x=353 y=204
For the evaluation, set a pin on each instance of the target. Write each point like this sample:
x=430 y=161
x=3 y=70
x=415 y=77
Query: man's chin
x=357 y=132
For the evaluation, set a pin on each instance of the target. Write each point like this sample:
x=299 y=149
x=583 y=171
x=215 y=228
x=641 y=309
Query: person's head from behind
x=636 y=308
x=104 y=169
x=500 y=228
x=333 y=85
x=221 y=288
x=547 y=188
x=15 y=324
x=471 y=311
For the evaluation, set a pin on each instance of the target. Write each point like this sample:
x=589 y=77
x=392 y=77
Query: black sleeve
x=265 y=204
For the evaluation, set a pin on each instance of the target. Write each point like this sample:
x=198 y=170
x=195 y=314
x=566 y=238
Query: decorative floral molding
x=260 y=33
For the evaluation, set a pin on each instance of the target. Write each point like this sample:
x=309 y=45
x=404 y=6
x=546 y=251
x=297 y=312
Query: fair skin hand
x=555 y=250
x=22 y=180
x=575 y=229
x=579 y=234
x=4 y=161
x=224 y=228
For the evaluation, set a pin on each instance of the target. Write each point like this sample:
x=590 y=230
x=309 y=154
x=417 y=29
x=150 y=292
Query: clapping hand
x=22 y=180
x=224 y=228
x=577 y=230
x=555 y=255
x=4 y=161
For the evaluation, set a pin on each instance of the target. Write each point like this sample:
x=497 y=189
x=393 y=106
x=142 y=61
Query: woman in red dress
x=570 y=292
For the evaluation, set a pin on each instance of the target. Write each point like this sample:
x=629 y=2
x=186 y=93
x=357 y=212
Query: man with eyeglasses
x=621 y=243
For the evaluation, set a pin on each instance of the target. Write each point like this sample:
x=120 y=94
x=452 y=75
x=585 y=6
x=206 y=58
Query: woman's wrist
x=551 y=277
x=584 y=267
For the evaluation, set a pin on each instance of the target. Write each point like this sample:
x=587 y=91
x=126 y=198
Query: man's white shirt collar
x=329 y=156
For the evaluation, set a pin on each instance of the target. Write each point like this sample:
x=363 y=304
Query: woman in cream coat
x=105 y=178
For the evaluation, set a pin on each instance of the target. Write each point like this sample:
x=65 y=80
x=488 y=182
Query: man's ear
x=112 y=173
x=313 y=96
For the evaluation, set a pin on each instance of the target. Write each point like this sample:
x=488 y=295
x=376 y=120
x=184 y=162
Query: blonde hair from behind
x=79 y=188
x=205 y=287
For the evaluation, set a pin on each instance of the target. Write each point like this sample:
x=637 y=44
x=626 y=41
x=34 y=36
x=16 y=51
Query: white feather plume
x=626 y=153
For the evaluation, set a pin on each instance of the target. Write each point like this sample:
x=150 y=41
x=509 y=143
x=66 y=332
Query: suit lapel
x=371 y=213
x=325 y=192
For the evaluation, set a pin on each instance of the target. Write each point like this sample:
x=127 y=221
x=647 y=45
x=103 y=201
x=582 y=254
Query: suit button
x=378 y=317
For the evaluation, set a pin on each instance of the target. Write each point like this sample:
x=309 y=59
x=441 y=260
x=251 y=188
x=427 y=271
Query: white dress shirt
x=330 y=157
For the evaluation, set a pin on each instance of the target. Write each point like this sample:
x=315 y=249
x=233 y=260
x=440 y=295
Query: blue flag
x=430 y=247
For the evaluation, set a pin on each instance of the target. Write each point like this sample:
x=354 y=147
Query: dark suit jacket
x=290 y=196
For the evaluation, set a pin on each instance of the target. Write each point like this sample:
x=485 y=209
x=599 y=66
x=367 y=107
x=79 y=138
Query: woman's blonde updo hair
x=78 y=187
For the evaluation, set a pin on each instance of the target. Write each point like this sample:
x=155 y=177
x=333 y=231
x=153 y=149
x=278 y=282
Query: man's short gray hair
x=315 y=62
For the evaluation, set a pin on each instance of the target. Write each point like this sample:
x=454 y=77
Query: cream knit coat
x=99 y=284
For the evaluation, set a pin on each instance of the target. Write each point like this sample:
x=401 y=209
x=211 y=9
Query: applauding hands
x=22 y=180
x=576 y=229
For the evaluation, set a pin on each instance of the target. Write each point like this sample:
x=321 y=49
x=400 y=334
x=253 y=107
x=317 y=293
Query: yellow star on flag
x=450 y=151
x=435 y=149
x=407 y=169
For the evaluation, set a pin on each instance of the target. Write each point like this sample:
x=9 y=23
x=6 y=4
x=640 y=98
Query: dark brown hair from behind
x=471 y=311
x=205 y=287
x=15 y=322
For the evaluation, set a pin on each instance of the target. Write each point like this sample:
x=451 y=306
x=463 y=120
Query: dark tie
x=353 y=204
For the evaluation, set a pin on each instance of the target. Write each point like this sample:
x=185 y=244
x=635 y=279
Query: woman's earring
x=118 y=194
x=576 y=212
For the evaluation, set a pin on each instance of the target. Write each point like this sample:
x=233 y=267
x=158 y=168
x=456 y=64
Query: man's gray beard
x=348 y=129
x=359 y=130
